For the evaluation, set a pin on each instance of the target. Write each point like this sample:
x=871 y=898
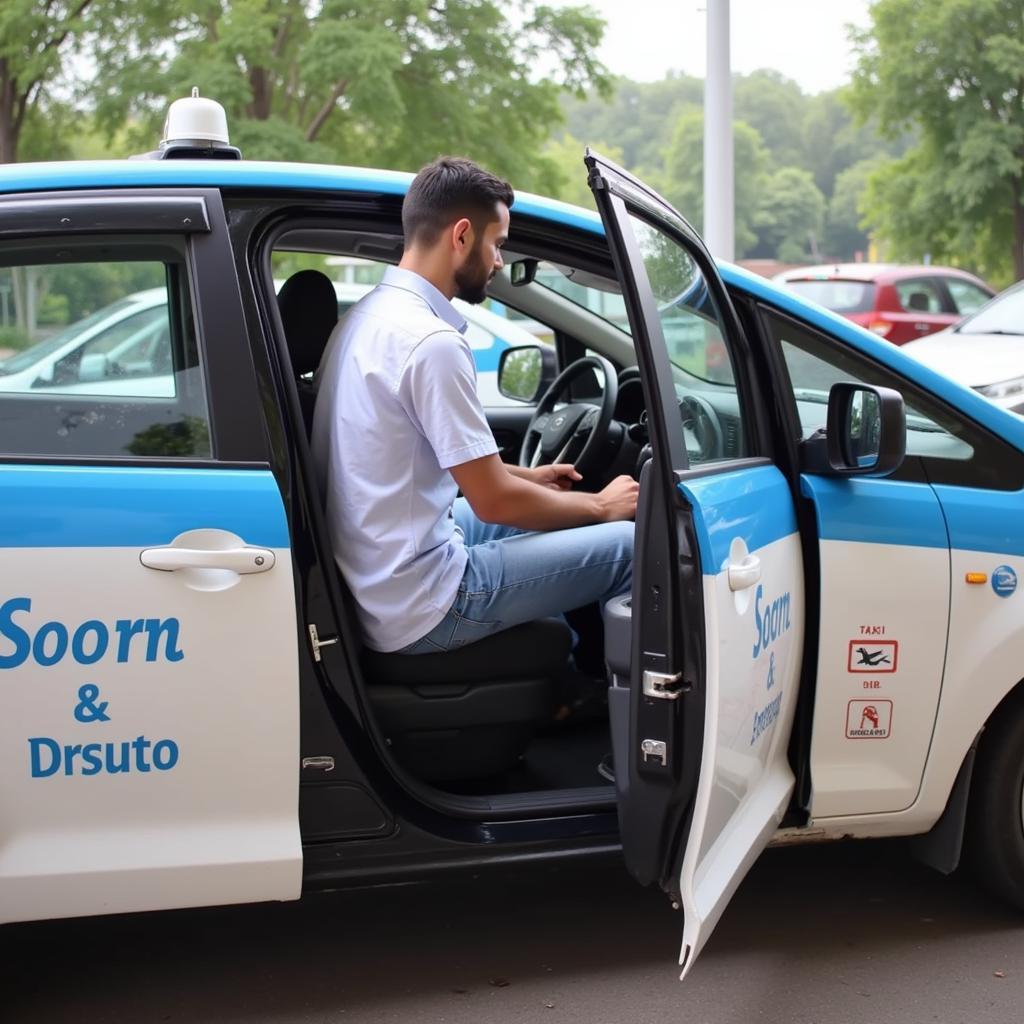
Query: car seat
x=309 y=312
x=468 y=713
x=452 y=716
x=919 y=302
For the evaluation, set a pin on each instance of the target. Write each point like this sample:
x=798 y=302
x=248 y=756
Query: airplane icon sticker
x=874 y=656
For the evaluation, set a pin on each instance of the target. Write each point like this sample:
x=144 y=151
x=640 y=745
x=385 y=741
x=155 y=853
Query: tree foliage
x=844 y=218
x=776 y=106
x=952 y=71
x=681 y=175
x=790 y=216
x=779 y=130
x=35 y=40
x=392 y=83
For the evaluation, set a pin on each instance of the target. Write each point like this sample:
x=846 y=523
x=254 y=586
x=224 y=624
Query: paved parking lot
x=856 y=934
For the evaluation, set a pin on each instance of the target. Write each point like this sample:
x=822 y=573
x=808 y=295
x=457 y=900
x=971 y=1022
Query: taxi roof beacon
x=195 y=127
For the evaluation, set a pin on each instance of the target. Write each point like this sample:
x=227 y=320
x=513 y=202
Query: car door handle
x=241 y=560
x=746 y=574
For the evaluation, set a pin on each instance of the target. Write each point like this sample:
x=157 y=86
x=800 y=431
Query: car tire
x=995 y=815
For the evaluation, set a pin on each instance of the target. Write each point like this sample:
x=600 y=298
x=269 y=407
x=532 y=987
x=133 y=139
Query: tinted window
x=99 y=355
x=839 y=296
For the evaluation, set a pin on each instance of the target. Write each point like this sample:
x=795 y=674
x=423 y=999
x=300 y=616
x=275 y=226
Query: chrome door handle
x=746 y=574
x=241 y=560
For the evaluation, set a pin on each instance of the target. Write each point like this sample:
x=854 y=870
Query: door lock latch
x=662 y=686
x=316 y=643
x=654 y=750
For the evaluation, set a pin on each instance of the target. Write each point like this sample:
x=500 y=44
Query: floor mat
x=563 y=758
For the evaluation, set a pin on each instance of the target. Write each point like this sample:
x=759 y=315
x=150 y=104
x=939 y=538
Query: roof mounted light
x=195 y=128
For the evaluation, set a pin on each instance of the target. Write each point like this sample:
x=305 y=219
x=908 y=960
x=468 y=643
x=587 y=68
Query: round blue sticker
x=1004 y=581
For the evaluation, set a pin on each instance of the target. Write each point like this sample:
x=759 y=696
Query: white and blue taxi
x=825 y=638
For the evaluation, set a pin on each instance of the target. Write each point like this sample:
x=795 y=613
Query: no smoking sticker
x=868 y=719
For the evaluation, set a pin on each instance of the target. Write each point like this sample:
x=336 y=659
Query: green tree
x=790 y=215
x=776 y=106
x=566 y=153
x=949 y=70
x=638 y=117
x=834 y=140
x=35 y=39
x=844 y=233
x=387 y=82
x=681 y=176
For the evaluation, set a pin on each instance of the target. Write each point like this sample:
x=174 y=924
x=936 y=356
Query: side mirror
x=93 y=366
x=526 y=371
x=866 y=433
x=523 y=272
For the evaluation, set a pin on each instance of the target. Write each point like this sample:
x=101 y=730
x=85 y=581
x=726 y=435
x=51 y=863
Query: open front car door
x=702 y=703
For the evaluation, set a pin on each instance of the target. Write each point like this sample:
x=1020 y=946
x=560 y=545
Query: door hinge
x=316 y=643
x=662 y=686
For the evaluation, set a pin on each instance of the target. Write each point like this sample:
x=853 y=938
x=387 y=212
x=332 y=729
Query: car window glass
x=1004 y=315
x=491 y=326
x=815 y=363
x=108 y=343
x=919 y=295
x=695 y=339
x=839 y=296
x=967 y=297
x=604 y=299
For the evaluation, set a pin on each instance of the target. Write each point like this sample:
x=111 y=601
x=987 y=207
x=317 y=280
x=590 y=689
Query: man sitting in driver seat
x=398 y=430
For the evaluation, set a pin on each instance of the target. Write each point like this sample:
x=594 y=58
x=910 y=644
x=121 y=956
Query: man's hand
x=618 y=499
x=517 y=496
x=558 y=476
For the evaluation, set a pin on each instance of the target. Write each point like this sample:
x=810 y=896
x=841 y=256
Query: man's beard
x=472 y=278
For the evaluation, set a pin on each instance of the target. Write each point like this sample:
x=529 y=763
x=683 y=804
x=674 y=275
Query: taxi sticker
x=873 y=656
x=868 y=719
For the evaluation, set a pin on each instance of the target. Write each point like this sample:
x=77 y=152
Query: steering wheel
x=551 y=435
x=701 y=420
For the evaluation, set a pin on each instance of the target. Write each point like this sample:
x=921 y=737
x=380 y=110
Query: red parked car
x=898 y=302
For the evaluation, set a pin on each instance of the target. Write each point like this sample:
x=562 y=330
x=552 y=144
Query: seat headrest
x=918 y=301
x=309 y=311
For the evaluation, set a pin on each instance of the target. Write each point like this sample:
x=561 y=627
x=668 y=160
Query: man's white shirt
x=396 y=409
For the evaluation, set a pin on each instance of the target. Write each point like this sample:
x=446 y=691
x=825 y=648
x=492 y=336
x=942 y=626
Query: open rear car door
x=703 y=700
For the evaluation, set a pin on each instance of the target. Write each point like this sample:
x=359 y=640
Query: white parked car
x=984 y=351
x=125 y=349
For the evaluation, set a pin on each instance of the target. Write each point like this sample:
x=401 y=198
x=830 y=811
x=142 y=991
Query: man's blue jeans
x=513 y=576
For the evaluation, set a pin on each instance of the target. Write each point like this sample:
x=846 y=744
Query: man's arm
x=558 y=475
x=499 y=495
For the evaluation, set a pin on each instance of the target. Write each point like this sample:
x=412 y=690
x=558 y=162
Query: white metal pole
x=719 y=190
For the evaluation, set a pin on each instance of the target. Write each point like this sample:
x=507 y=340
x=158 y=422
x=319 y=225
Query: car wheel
x=995 y=815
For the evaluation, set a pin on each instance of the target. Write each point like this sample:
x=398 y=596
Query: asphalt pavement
x=850 y=934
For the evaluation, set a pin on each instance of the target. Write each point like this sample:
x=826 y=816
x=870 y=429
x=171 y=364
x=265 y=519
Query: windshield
x=839 y=296
x=1003 y=315
x=688 y=318
x=41 y=349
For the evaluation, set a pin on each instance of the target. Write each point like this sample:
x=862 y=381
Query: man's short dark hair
x=445 y=191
